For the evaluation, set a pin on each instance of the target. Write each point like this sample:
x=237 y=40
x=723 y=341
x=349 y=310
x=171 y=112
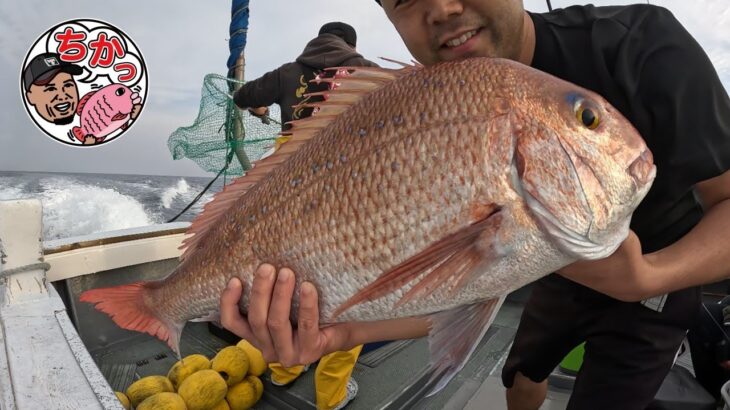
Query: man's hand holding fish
x=270 y=329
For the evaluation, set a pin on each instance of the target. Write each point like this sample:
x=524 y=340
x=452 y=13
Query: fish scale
x=351 y=238
x=424 y=191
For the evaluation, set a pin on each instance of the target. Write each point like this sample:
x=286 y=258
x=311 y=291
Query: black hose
x=200 y=195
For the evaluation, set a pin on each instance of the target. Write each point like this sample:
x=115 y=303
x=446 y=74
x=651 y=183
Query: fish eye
x=588 y=117
x=119 y=91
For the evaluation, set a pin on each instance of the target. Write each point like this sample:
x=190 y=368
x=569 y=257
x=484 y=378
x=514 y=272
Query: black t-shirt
x=651 y=69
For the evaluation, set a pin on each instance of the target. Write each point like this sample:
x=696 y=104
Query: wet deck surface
x=391 y=377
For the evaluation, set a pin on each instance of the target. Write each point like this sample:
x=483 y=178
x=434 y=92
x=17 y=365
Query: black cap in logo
x=45 y=66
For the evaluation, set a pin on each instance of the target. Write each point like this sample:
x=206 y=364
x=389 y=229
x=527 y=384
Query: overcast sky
x=184 y=40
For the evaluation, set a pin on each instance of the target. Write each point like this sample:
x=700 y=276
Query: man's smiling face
x=446 y=30
x=56 y=100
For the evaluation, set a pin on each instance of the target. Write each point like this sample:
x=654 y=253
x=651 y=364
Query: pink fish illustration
x=104 y=111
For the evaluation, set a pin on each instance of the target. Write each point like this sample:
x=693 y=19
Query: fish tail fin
x=127 y=307
x=78 y=133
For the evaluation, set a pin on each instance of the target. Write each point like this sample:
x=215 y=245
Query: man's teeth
x=62 y=106
x=461 y=40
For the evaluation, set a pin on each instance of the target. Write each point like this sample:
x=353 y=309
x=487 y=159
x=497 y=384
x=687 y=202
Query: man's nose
x=440 y=11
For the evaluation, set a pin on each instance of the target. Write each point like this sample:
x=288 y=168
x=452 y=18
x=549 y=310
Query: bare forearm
x=395 y=329
x=701 y=256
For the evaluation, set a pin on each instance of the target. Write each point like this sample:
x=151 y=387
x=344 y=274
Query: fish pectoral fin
x=454 y=336
x=119 y=116
x=452 y=261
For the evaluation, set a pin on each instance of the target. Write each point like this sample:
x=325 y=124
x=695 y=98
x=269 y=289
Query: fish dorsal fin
x=347 y=86
x=414 y=64
x=213 y=210
x=83 y=101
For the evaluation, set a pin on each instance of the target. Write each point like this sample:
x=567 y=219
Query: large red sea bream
x=422 y=191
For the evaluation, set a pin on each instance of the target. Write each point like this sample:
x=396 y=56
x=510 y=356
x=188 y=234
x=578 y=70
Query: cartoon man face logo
x=51 y=88
x=83 y=82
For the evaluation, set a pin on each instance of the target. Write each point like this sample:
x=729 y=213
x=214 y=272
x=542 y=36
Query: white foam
x=11 y=192
x=71 y=208
x=172 y=192
x=198 y=207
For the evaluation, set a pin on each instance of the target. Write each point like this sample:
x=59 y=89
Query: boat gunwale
x=78 y=242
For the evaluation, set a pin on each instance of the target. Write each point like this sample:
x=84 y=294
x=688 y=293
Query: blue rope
x=238 y=31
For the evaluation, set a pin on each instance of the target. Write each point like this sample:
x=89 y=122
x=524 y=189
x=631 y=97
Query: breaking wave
x=10 y=192
x=84 y=204
x=173 y=192
x=72 y=209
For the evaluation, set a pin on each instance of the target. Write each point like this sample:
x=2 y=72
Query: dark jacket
x=287 y=84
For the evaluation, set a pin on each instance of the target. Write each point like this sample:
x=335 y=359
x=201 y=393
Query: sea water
x=80 y=204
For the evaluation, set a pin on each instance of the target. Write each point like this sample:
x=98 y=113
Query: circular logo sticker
x=84 y=82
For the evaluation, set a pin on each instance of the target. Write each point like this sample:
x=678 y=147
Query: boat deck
x=392 y=376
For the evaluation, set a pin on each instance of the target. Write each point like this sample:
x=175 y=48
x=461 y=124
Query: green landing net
x=223 y=137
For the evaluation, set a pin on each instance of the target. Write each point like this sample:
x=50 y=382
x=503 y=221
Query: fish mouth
x=455 y=40
x=62 y=107
x=642 y=169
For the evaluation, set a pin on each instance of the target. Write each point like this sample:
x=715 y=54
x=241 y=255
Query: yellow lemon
x=256 y=363
x=257 y=384
x=146 y=387
x=185 y=367
x=243 y=395
x=232 y=364
x=203 y=390
x=223 y=405
x=124 y=399
x=162 y=401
